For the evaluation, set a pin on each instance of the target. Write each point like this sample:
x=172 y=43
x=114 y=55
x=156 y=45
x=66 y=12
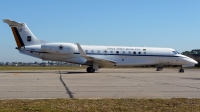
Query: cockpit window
x=174 y=52
x=177 y=52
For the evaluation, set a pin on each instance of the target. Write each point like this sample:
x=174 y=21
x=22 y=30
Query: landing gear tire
x=90 y=70
x=181 y=70
x=159 y=68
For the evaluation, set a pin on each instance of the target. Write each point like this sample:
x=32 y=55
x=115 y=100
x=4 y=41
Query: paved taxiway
x=107 y=83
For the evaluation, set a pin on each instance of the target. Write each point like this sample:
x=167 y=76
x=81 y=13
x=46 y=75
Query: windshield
x=175 y=52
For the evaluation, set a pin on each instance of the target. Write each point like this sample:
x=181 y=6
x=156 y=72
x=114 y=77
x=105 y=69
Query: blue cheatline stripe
x=130 y=55
x=36 y=51
x=114 y=54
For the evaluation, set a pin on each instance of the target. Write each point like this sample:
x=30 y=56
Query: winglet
x=82 y=53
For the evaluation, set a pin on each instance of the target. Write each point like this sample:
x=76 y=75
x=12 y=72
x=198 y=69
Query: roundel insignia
x=28 y=38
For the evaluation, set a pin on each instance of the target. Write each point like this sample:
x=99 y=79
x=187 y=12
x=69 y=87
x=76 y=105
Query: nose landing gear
x=159 y=69
x=181 y=70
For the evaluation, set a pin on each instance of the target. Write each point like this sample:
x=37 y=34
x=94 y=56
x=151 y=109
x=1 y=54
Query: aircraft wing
x=99 y=61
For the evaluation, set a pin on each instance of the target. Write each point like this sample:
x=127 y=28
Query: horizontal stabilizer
x=12 y=23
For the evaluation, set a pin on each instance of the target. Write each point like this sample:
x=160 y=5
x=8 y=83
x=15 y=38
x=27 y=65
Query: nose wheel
x=90 y=69
x=159 y=68
x=181 y=70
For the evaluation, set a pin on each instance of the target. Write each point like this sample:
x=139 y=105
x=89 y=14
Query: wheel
x=159 y=68
x=181 y=70
x=90 y=70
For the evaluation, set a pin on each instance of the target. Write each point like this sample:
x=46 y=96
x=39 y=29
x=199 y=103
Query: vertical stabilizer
x=22 y=34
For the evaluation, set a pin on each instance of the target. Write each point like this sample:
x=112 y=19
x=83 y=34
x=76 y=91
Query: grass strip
x=105 y=105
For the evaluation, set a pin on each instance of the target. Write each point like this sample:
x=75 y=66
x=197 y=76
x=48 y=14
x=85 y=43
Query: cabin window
x=139 y=52
x=92 y=51
x=129 y=52
x=144 y=52
x=105 y=52
x=86 y=51
x=134 y=52
x=123 y=52
x=111 y=52
x=117 y=52
x=98 y=51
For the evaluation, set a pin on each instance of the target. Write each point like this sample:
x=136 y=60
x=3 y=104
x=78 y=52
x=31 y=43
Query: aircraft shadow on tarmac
x=22 y=72
x=73 y=72
x=191 y=78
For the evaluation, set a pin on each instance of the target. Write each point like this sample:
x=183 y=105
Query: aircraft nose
x=194 y=61
x=191 y=61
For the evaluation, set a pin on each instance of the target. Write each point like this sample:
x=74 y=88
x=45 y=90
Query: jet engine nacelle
x=58 y=48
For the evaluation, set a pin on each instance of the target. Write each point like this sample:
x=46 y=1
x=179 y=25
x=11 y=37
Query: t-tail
x=22 y=34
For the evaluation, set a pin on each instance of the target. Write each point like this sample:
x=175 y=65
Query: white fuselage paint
x=123 y=56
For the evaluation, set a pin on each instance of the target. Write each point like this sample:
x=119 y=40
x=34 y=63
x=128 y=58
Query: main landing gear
x=90 y=69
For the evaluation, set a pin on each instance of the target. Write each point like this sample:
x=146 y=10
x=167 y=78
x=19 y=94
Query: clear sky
x=151 y=23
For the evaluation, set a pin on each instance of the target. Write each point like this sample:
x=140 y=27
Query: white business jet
x=95 y=56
